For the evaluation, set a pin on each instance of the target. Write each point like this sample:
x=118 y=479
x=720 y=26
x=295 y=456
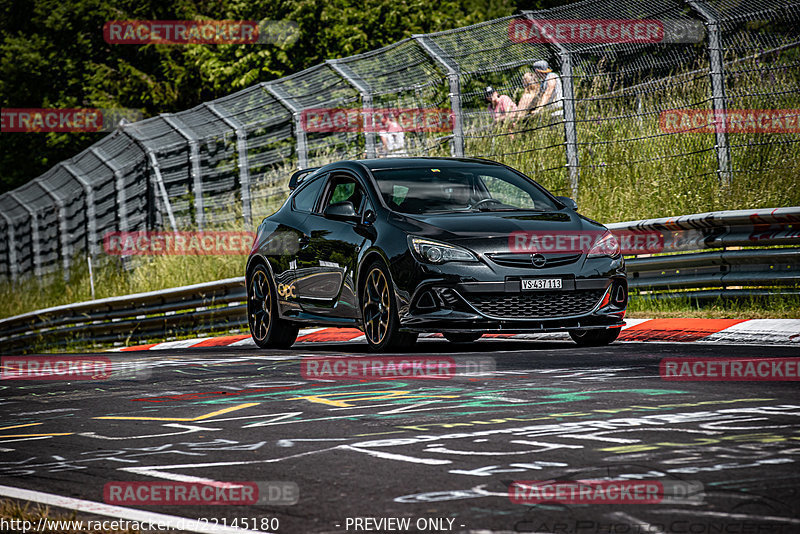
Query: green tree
x=53 y=55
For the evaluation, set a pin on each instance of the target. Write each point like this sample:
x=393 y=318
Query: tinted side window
x=306 y=197
x=344 y=188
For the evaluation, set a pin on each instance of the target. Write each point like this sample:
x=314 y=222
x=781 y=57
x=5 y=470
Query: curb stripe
x=676 y=329
x=764 y=331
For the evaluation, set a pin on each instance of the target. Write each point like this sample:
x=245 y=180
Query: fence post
x=363 y=88
x=66 y=253
x=568 y=88
x=244 y=164
x=91 y=209
x=119 y=185
x=156 y=170
x=13 y=268
x=296 y=110
x=35 y=245
x=454 y=79
x=718 y=98
x=194 y=159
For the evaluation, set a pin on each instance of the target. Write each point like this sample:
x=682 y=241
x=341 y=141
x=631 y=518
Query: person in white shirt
x=551 y=90
x=392 y=136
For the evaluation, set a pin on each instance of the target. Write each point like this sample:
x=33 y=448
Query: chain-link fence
x=616 y=75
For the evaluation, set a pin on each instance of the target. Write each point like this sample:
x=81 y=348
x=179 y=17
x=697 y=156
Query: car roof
x=396 y=163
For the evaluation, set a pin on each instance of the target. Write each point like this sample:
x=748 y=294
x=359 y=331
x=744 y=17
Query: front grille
x=536 y=305
x=524 y=260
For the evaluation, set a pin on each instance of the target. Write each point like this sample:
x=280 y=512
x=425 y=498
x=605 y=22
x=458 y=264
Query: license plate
x=541 y=283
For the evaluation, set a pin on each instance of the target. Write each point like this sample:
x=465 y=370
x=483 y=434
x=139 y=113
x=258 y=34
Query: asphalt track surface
x=424 y=450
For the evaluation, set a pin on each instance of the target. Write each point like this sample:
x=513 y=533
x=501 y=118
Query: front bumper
x=592 y=303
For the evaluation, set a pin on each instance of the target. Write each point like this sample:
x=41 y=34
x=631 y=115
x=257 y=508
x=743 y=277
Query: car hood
x=492 y=231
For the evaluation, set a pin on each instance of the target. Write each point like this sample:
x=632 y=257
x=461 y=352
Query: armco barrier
x=742 y=268
x=748 y=271
x=152 y=315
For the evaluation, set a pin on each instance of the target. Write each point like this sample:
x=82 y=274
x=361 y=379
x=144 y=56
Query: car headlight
x=430 y=251
x=606 y=245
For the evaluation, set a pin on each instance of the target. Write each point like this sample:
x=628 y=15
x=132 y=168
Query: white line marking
x=643 y=526
x=131 y=514
x=777 y=519
x=400 y=457
x=156 y=470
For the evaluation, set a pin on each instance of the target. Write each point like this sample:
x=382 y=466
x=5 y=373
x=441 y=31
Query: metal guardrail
x=654 y=269
x=726 y=273
x=153 y=315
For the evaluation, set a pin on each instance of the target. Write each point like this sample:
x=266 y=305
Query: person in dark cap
x=551 y=90
x=501 y=107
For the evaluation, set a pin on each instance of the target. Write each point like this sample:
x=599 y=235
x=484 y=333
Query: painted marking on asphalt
x=381 y=395
x=643 y=526
x=158 y=471
x=19 y=426
x=131 y=514
x=184 y=419
x=381 y=433
x=398 y=457
x=724 y=515
x=35 y=435
x=189 y=429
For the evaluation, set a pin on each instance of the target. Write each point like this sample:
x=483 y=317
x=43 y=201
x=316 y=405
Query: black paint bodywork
x=322 y=259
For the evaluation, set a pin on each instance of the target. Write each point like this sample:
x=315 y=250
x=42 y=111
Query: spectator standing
x=392 y=136
x=551 y=89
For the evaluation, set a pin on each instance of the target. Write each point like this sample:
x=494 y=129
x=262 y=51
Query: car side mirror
x=369 y=218
x=343 y=211
x=568 y=202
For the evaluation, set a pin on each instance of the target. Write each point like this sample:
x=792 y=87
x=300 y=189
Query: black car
x=399 y=246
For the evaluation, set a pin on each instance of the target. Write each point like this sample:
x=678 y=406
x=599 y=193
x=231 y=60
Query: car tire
x=594 y=338
x=268 y=330
x=462 y=337
x=379 y=311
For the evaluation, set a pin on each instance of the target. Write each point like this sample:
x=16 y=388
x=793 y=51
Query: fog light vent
x=427 y=302
x=620 y=294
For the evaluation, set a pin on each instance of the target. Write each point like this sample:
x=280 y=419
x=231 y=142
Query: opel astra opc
x=400 y=246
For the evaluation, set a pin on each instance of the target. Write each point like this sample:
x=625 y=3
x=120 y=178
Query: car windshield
x=440 y=188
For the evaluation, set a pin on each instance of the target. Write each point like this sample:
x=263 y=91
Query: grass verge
x=14 y=513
